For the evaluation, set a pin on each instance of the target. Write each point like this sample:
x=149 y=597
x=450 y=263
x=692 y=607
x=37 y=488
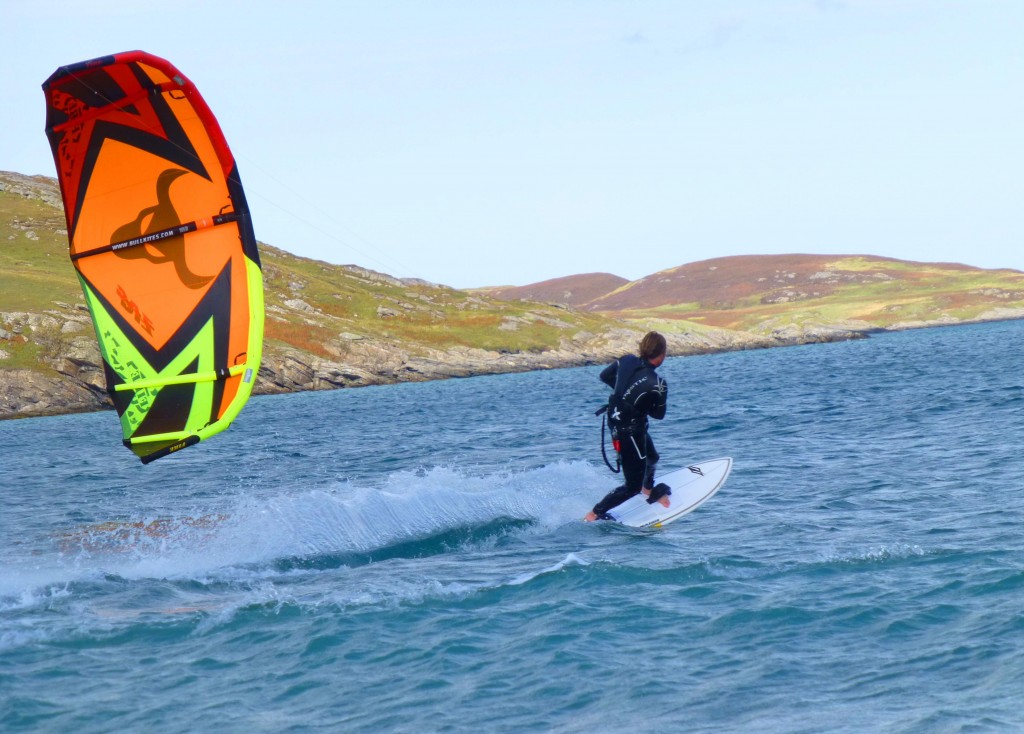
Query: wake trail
x=413 y=513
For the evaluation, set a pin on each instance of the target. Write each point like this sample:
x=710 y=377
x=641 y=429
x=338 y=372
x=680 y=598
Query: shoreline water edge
x=74 y=383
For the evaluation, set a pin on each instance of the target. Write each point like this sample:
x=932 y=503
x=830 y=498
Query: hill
x=573 y=290
x=746 y=292
x=327 y=326
x=331 y=326
x=762 y=293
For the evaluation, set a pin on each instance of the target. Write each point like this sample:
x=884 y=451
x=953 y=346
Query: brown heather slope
x=750 y=293
x=572 y=290
x=758 y=292
x=728 y=282
x=723 y=282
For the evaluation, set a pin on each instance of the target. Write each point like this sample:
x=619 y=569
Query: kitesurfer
x=638 y=393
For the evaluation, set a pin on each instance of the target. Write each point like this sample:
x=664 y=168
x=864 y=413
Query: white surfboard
x=692 y=486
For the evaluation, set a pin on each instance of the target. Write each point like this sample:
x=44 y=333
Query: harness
x=627 y=418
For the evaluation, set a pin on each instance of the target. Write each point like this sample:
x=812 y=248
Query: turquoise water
x=410 y=558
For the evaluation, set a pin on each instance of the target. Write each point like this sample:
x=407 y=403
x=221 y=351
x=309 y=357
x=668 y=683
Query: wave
x=443 y=541
x=410 y=514
x=570 y=560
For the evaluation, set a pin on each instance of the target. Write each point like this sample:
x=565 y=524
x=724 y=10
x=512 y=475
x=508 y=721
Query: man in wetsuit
x=637 y=393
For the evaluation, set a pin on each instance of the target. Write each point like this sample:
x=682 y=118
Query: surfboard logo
x=696 y=470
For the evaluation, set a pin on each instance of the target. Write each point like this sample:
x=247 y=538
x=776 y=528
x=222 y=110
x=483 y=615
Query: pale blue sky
x=485 y=143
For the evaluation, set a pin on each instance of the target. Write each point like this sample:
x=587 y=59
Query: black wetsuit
x=637 y=393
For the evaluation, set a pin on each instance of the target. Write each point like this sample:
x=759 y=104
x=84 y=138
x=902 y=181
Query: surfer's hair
x=652 y=346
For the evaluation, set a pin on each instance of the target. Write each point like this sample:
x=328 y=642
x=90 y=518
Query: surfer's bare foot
x=665 y=501
x=589 y=517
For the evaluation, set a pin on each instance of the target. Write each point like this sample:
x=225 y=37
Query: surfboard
x=692 y=486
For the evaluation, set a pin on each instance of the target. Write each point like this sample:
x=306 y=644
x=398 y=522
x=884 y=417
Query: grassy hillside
x=312 y=307
x=308 y=301
x=35 y=273
x=34 y=265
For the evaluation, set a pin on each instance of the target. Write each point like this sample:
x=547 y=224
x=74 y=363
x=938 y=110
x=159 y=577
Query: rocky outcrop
x=25 y=392
x=787 y=331
x=42 y=188
x=71 y=379
x=372 y=361
x=996 y=314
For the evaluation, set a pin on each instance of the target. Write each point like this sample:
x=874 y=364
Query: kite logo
x=162 y=216
x=132 y=308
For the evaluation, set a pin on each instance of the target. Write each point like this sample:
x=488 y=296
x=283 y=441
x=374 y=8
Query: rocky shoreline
x=70 y=376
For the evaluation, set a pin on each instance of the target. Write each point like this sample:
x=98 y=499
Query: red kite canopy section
x=161 y=238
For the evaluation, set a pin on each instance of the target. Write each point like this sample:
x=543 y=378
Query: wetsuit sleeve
x=660 y=402
x=609 y=373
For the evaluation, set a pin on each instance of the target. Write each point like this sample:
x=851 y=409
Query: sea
x=411 y=558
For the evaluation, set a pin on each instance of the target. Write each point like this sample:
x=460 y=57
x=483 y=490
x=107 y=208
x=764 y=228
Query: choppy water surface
x=410 y=558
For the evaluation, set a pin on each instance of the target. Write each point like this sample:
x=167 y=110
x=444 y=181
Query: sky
x=480 y=143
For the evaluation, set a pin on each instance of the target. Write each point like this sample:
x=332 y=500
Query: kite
x=162 y=241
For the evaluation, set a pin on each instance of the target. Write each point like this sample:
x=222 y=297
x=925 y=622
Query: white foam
x=570 y=560
x=237 y=543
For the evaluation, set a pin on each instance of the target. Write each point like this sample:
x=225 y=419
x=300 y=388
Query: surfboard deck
x=692 y=486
